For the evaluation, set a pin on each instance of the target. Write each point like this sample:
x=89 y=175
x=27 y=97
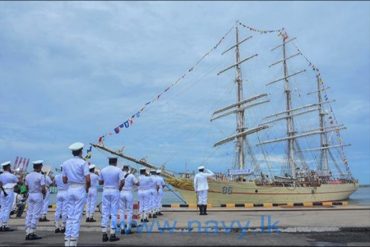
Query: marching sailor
x=201 y=188
x=144 y=192
x=92 y=195
x=110 y=177
x=46 y=201
x=127 y=200
x=61 y=203
x=76 y=174
x=7 y=184
x=159 y=197
x=35 y=183
x=153 y=194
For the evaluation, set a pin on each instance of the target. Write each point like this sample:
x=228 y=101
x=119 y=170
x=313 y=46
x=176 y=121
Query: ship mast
x=323 y=165
x=289 y=118
x=240 y=141
x=238 y=108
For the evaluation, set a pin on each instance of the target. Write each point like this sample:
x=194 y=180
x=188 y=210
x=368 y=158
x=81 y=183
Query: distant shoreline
x=364 y=185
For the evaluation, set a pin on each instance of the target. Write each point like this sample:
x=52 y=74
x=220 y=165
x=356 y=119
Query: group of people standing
x=77 y=187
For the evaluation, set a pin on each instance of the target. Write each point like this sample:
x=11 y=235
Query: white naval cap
x=159 y=171
x=92 y=166
x=76 y=146
x=37 y=162
x=201 y=167
x=6 y=163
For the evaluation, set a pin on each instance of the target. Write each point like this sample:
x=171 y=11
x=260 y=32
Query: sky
x=73 y=71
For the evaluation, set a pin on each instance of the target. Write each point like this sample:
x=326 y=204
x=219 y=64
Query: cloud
x=75 y=70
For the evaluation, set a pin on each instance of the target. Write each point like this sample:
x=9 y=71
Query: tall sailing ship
x=246 y=181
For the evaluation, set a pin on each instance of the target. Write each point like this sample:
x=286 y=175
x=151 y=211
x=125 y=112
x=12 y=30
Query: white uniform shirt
x=8 y=178
x=161 y=182
x=111 y=175
x=155 y=182
x=34 y=181
x=94 y=180
x=59 y=183
x=200 y=180
x=75 y=169
x=146 y=182
x=48 y=181
x=130 y=181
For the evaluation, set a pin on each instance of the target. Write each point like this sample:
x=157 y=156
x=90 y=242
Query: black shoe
x=201 y=207
x=7 y=229
x=154 y=216
x=46 y=220
x=63 y=230
x=87 y=219
x=142 y=220
x=205 y=210
x=105 y=237
x=146 y=220
x=57 y=230
x=28 y=237
x=92 y=220
x=113 y=238
x=1 y=228
x=35 y=237
x=159 y=213
x=122 y=231
x=150 y=216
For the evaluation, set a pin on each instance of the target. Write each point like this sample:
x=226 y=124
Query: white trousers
x=6 y=203
x=76 y=199
x=202 y=197
x=110 y=203
x=34 y=206
x=126 y=208
x=45 y=203
x=91 y=202
x=61 y=210
x=159 y=200
x=144 y=200
x=152 y=200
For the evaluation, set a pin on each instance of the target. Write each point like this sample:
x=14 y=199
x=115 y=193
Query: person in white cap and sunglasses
x=61 y=203
x=35 y=183
x=92 y=195
x=7 y=184
x=76 y=174
x=201 y=188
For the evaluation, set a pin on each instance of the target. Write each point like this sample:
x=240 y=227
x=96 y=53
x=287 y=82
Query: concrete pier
x=224 y=226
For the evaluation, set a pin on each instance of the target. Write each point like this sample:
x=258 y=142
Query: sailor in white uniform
x=92 y=195
x=35 y=183
x=127 y=200
x=159 y=197
x=110 y=177
x=144 y=193
x=76 y=174
x=201 y=188
x=153 y=194
x=46 y=201
x=7 y=183
x=61 y=203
